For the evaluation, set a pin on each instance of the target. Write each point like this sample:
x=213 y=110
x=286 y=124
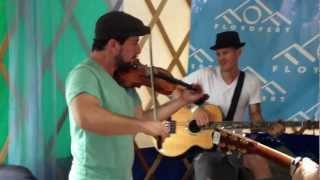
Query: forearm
x=104 y=122
x=256 y=118
x=165 y=110
x=255 y=113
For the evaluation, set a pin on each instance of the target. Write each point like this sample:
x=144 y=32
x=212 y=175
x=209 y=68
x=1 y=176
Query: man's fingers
x=205 y=119
x=165 y=130
x=164 y=134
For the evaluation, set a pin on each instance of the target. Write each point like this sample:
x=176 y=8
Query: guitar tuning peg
x=223 y=134
x=243 y=151
x=234 y=138
x=245 y=142
x=229 y=152
x=222 y=145
x=223 y=148
x=231 y=147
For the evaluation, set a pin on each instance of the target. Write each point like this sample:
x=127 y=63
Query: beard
x=120 y=62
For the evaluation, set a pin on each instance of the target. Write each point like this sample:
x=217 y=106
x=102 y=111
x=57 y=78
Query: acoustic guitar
x=184 y=134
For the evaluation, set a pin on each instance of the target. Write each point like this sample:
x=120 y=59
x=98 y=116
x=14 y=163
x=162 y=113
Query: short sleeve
x=81 y=80
x=255 y=95
x=193 y=78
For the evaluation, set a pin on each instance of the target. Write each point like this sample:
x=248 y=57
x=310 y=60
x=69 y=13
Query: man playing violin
x=104 y=116
x=220 y=83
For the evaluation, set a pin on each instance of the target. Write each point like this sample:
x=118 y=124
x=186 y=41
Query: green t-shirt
x=95 y=156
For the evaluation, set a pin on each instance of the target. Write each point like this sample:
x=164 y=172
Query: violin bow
x=153 y=92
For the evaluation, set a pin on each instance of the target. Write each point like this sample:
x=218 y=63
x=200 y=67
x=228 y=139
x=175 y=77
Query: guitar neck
x=229 y=124
x=272 y=154
x=250 y=146
x=262 y=125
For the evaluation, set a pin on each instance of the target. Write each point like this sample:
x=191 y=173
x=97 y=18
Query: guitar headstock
x=231 y=142
x=304 y=125
x=228 y=141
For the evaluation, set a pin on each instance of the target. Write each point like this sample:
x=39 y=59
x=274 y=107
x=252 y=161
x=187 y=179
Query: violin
x=135 y=74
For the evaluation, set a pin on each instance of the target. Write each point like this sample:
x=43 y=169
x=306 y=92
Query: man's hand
x=155 y=128
x=201 y=116
x=308 y=170
x=190 y=96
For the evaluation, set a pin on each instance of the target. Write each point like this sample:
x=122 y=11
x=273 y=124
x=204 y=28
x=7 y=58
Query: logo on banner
x=271 y=90
x=197 y=5
x=299 y=58
x=199 y=59
x=308 y=114
x=254 y=16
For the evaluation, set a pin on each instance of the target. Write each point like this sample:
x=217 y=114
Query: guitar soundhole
x=193 y=127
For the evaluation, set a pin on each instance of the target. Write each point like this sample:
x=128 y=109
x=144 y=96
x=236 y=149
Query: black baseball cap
x=119 y=24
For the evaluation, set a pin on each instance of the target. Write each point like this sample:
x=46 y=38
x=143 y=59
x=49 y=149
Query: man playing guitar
x=220 y=83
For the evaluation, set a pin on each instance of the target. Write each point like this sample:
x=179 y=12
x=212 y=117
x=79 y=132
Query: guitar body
x=183 y=138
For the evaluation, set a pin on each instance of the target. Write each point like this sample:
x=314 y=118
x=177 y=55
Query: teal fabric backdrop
x=46 y=40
